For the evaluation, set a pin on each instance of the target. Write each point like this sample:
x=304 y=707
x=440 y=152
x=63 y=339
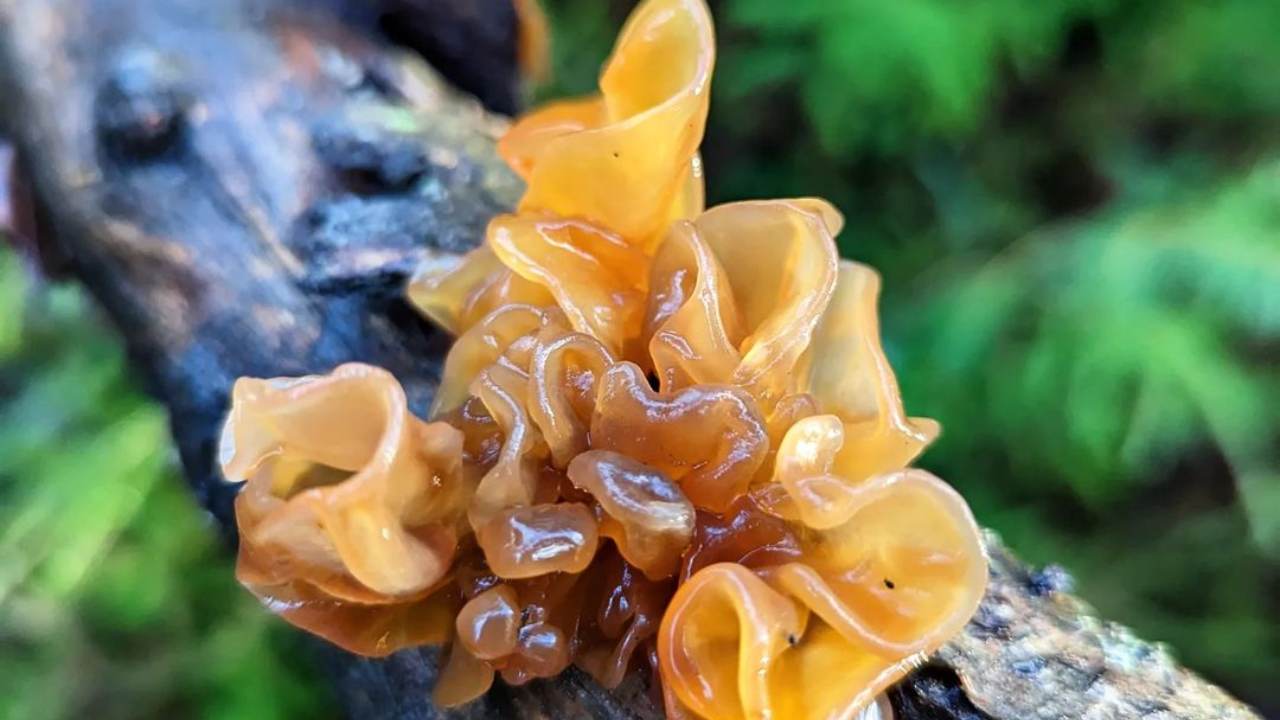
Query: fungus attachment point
x=881 y=709
x=463 y=678
x=663 y=433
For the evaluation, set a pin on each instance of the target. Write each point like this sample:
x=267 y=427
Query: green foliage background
x=1076 y=208
x=115 y=599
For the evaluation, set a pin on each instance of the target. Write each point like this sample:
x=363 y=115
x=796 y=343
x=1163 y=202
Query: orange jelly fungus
x=665 y=436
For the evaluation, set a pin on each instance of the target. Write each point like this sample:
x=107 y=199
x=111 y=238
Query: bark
x=245 y=185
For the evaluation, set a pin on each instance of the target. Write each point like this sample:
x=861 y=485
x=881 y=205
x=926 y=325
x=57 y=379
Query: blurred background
x=1076 y=209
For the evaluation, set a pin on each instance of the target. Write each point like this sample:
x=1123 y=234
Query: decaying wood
x=245 y=185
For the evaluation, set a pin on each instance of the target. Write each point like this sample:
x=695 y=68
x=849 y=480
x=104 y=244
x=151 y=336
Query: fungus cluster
x=665 y=436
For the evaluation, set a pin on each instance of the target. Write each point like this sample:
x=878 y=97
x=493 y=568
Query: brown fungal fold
x=666 y=438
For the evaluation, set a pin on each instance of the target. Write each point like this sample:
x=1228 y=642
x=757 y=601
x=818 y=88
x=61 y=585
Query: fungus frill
x=866 y=597
x=663 y=436
x=347 y=528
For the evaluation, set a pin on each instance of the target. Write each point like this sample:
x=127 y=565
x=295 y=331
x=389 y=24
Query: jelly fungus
x=644 y=512
x=625 y=159
x=361 y=515
x=665 y=439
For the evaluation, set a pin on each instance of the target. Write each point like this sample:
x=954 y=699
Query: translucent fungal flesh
x=665 y=437
x=709 y=438
x=624 y=158
x=360 y=512
x=643 y=511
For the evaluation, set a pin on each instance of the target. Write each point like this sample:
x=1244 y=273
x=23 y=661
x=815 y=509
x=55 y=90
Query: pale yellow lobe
x=596 y=278
x=870 y=598
x=720 y=638
x=456 y=293
x=348 y=498
x=622 y=160
x=851 y=378
x=736 y=295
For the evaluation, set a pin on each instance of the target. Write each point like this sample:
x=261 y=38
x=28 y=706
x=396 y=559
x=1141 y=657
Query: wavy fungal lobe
x=666 y=439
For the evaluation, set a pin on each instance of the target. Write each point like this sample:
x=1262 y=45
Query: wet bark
x=245 y=185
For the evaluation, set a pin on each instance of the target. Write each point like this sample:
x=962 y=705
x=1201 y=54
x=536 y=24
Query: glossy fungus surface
x=666 y=439
x=708 y=438
x=642 y=510
x=624 y=159
x=360 y=512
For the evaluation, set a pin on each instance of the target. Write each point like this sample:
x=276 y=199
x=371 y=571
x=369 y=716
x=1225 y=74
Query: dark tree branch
x=245 y=185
